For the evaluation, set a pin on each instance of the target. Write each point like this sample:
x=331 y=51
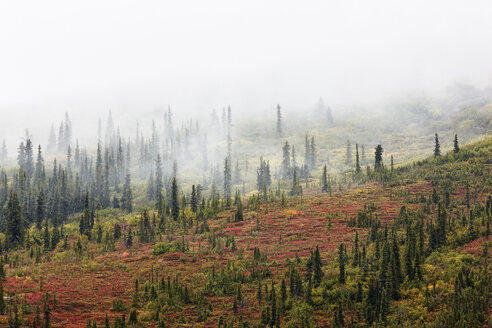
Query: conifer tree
x=40 y=209
x=151 y=186
x=15 y=223
x=313 y=153
x=158 y=178
x=317 y=270
x=227 y=181
x=296 y=187
x=341 y=263
x=2 y=300
x=437 y=146
x=238 y=216
x=357 y=162
x=29 y=165
x=307 y=154
x=174 y=199
x=456 y=146
x=378 y=158
x=324 y=180
x=127 y=197
x=194 y=200
x=286 y=168
x=85 y=219
x=279 y=121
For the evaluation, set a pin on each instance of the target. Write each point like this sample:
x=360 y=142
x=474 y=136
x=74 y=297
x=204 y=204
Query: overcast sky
x=86 y=57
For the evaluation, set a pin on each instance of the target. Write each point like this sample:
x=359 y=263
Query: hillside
x=402 y=247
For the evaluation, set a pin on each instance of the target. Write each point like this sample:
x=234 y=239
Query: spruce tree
x=357 y=162
x=151 y=187
x=324 y=180
x=194 y=200
x=227 y=181
x=158 y=184
x=317 y=270
x=313 y=153
x=40 y=209
x=127 y=197
x=437 y=146
x=341 y=263
x=2 y=300
x=238 y=216
x=279 y=121
x=29 y=165
x=15 y=223
x=456 y=146
x=378 y=158
x=174 y=199
x=286 y=167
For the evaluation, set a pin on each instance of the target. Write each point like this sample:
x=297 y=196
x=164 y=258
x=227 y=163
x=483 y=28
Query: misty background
x=137 y=58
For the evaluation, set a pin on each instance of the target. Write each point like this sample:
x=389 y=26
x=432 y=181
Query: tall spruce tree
x=227 y=181
x=15 y=223
x=456 y=146
x=341 y=263
x=286 y=168
x=279 y=121
x=437 y=146
x=174 y=199
x=357 y=162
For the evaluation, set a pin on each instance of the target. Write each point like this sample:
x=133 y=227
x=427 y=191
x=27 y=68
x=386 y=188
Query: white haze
x=138 y=57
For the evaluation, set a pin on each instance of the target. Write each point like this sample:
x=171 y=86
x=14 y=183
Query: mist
x=137 y=59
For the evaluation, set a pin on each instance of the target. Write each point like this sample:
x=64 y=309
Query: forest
x=154 y=229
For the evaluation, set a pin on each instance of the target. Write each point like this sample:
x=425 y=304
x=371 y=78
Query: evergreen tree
x=456 y=146
x=85 y=219
x=129 y=238
x=317 y=270
x=238 y=216
x=307 y=154
x=279 y=121
x=227 y=181
x=29 y=164
x=151 y=186
x=357 y=162
x=47 y=313
x=378 y=158
x=15 y=223
x=437 y=147
x=40 y=209
x=127 y=197
x=324 y=180
x=296 y=187
x=341 y=263
x=39 y=170
x=313 y=153
x=194 y=200
x=2 y=300
x=158 y=178
x=174 y=199
x=286 y=168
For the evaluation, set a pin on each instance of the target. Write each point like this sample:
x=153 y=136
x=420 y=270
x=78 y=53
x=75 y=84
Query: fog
x=136 y=58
